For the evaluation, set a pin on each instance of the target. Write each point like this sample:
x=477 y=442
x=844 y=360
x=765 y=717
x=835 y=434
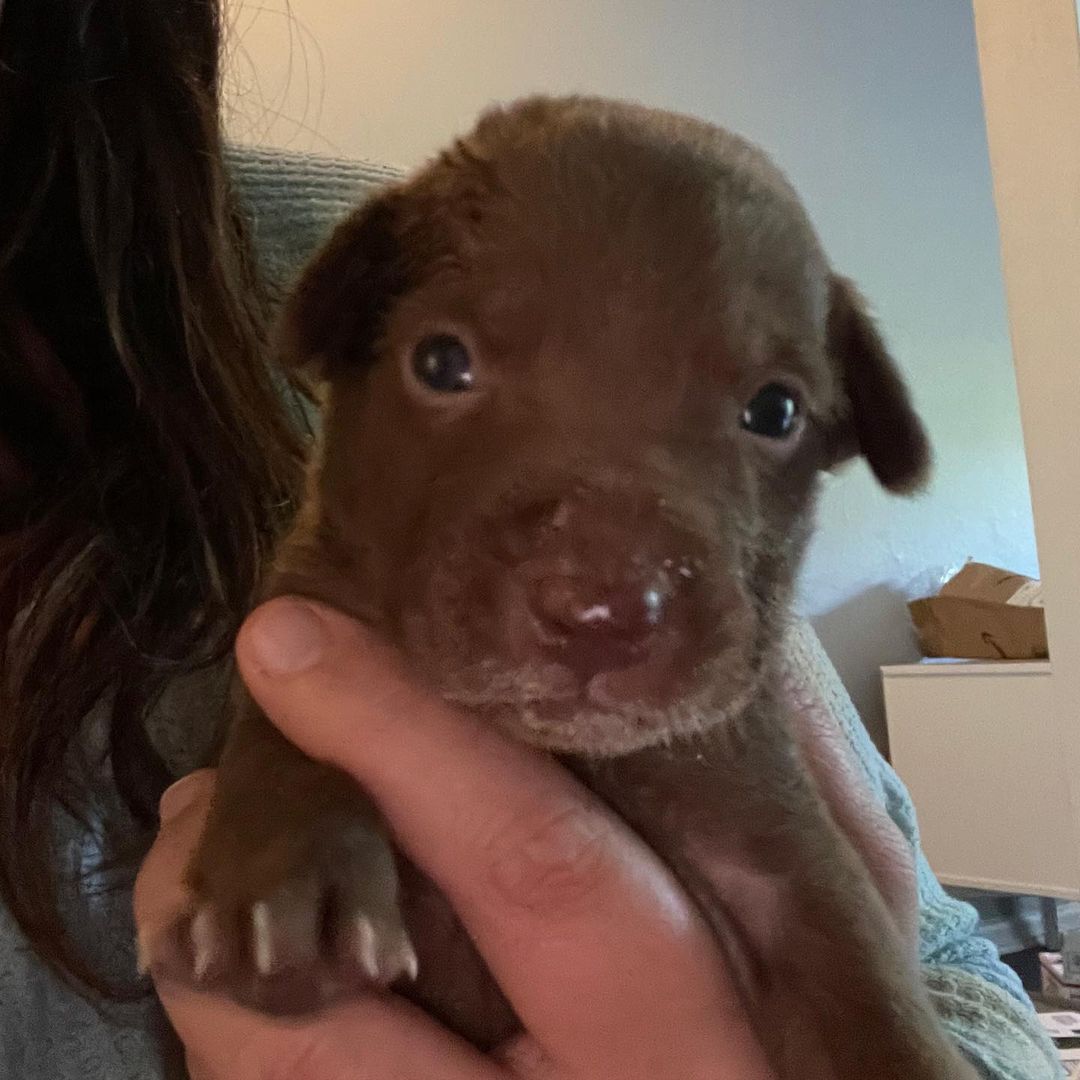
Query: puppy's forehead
x=552 y=203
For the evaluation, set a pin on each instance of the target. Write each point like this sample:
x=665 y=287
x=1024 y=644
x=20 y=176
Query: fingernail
x=287 y=637
x=178 y=797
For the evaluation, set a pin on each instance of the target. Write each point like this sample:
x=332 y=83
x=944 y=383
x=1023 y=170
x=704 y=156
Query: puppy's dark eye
x=443 y=364
x=773 y=412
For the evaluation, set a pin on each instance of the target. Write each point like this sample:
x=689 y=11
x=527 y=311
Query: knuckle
x=554 y=861
x=308 y=1058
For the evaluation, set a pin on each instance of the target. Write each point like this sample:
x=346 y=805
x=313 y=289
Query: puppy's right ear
x=878 y=420
x=334 y=315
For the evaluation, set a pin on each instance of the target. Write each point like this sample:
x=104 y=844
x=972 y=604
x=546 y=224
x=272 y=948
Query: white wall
x=1031 y=84
x=872 y=107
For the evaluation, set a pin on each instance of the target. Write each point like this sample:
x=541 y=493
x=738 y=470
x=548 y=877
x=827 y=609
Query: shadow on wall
x=870 y=629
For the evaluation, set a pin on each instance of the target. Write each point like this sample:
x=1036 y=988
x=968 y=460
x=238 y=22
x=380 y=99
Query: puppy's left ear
x=876 y=418
x=333 y=316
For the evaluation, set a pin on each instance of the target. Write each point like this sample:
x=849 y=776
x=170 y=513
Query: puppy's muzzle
x=604 y=585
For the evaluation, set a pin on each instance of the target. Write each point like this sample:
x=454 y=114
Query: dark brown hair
x=146 y=460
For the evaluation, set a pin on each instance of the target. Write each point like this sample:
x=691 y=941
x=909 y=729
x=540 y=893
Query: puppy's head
x=581 y=374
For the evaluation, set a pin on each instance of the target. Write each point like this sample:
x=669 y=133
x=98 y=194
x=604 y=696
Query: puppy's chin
x=544 y=706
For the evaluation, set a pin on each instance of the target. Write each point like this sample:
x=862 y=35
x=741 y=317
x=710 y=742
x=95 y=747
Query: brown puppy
x=582 y=373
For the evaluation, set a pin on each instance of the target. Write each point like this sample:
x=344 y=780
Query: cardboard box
x=1053 y=984
x=983 y=613
x=1070 y=957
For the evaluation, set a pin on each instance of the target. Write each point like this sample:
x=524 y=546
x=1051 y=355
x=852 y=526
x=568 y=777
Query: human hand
x=602 y=955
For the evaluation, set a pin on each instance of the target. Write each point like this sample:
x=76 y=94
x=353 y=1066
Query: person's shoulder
x=293 y=199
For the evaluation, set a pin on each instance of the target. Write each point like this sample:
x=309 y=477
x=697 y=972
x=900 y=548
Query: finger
x=601 y=954
x=866 y=823
x=160 y=895
x=197 y=1069
x=526 y=1060
x=374 y=1038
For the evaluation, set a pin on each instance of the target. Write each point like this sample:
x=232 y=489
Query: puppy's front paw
x=290 y=918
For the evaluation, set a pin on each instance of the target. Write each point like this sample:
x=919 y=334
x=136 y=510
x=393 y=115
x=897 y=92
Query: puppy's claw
x=385 y=953
x=202 y=942
x=142 y=953
x=367 y=947
x=262 y=939
x=410 y=961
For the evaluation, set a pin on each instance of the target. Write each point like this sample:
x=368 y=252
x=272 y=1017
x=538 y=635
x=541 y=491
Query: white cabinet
x=979 y=747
